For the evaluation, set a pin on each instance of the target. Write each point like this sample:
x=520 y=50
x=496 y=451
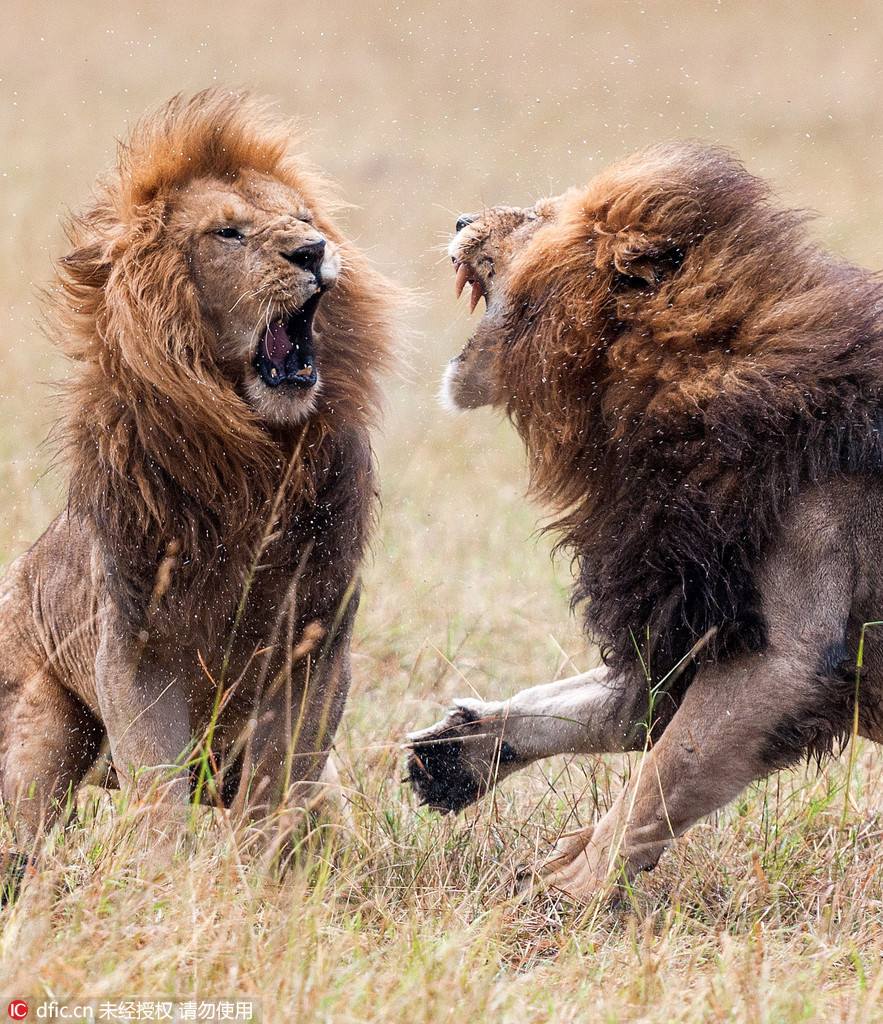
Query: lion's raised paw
x=452 y=763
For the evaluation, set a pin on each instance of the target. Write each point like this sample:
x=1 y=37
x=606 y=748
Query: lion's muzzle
x=308 y=257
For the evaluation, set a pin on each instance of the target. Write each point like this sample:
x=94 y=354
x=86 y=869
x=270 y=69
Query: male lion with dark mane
x=699 y=387
x=194 y=603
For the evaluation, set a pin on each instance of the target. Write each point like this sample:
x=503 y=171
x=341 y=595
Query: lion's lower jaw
x=283 y=405
x=455 y=395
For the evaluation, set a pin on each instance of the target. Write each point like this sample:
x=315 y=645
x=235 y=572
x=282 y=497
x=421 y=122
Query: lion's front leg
x=479 y=743
x=143 y=707
x=286 y=771
x=144 y=710
x=723 y=737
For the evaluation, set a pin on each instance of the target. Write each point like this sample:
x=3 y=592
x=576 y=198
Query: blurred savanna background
x=421 y=111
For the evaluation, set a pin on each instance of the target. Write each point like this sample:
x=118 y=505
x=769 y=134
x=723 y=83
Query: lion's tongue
x=277 y=346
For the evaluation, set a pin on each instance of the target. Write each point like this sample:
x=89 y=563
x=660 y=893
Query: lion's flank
x=685 y=360
x=161 y=445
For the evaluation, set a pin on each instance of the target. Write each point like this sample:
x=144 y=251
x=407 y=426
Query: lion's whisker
x=250 y=295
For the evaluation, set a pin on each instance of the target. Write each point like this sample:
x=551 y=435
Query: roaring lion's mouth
x=285 y=352
x=467 y=275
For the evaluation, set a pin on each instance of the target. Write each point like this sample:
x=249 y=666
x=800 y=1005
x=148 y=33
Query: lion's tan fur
x=145 y=376
x=193 y=486
x=699 y=388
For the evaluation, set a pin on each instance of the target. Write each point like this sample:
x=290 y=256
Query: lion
x=699 y=387
x=193 y=604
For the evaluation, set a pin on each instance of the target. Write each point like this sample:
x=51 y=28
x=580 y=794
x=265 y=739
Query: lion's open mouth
x=285 y=352
x=466 y=275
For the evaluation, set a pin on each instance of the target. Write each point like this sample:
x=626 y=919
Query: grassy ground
x=773 y=912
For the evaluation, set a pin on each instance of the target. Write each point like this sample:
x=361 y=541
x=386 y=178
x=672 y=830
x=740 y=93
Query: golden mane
x=160 y=446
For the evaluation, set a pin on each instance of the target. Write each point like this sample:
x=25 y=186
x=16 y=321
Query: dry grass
x=772 y=913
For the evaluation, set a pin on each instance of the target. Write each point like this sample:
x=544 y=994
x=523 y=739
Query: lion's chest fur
x=284 y=593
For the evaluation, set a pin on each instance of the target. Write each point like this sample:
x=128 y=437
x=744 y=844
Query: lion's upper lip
x=467 y=274
x=285 y=350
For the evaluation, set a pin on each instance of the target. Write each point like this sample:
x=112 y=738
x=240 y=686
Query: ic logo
x=18 y=1010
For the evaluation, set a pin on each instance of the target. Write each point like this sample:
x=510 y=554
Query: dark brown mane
x=161 y=447
x=683 y=359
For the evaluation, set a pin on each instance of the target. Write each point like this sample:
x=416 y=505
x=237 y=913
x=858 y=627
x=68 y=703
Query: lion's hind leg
x=48 y=742
x=726 y=734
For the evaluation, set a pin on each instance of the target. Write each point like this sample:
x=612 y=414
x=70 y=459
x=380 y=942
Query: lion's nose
x=463 y=220
x=307 y=257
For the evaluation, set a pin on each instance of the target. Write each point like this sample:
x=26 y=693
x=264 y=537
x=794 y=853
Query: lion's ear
x=88 y=265
x=637 y=254
x=151 y=306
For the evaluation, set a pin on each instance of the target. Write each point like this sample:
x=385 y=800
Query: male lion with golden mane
x=196 y=597
x=700 y=390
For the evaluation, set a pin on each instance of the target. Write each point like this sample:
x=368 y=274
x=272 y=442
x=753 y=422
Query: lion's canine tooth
x=462 y=278
x=477 y=292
